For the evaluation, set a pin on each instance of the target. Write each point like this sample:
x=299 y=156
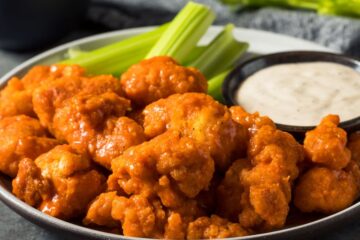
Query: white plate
x=261 y=42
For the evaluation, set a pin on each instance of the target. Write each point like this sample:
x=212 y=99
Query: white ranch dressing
x=301 y=94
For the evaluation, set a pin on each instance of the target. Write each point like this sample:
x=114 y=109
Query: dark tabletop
x=341 y=34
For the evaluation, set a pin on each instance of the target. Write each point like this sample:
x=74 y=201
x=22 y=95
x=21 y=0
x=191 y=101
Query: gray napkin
x=338 y=33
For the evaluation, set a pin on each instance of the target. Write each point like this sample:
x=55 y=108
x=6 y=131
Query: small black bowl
x=246 y=69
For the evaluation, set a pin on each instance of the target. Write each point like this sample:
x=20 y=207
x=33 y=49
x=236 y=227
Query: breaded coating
x=21 y=137
x=179 y=218
x=175 y=227
x=73 y=183
x=139 y=216
x=231 y=190
x=29 y=185
x=172 y=166
x=52 y=94
x=258 y=190
x=326 y=144
x=201 y=118
x=275 y=155
x=251 y=121
x=99 y=212
x=160 y=77
x=214 y=227
x=93 y=125
x=270 y=144
x=354 y=147
x=326 y=190
x=16 y=97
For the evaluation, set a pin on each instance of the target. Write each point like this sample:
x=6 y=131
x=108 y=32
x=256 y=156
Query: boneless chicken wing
x=326 y=144
x=251 y=122
x=275 y=155
x=231 y=190
x=51 y=94
x=326 y=190
x=99 y=212
x=94 y=125
x=16 y=97
x=21 y=137
x=170 y=166
x=60 y=182
x=140 y=216
x=201 y=118
x=332 y=181
x=257 y=190
x=160 y=77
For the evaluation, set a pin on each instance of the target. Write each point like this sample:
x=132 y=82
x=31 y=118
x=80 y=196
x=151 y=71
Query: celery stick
x=258 y=3
x=215 y=84
x=306 y=4
x=127 y=51
x=221 y=54
x=349 y=8
x=184 y=32
x=194 y=54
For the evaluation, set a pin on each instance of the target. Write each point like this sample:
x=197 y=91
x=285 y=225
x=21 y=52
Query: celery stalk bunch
x=178 y=39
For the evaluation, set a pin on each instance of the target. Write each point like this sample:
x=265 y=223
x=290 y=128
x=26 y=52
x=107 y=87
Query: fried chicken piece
x=73 y=182
x=201 y=118
x=171 y=166
x=179 y=219
x=15 y=100
x=354 y=147
x=139 y=216
x=258 y=190
x=16 y=97
x=160 y=77
x=275 y=155
x=175 y=227
x=251 y=121
x=99 y=212
x=326 y=144
x=230 y=191
x=93 y=124
x=214 y=227
x=262 y=150
x=29 y=185
x=326 y=190
x=21 y=137
x=53 y=93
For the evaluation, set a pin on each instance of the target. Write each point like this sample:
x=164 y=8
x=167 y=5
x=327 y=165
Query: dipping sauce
x=301 y=94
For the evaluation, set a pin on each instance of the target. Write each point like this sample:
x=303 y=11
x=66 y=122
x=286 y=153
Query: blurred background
x=31 y=26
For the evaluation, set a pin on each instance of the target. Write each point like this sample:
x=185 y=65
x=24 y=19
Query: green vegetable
x=184 y=32
x=350 y=8
x=178 y=39
x=306 y=4
x=118 y=57
x=214 y=86
x=221 y=54
x=258 y=3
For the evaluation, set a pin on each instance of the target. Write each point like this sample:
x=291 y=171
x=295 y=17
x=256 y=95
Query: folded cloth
x=338 y=33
